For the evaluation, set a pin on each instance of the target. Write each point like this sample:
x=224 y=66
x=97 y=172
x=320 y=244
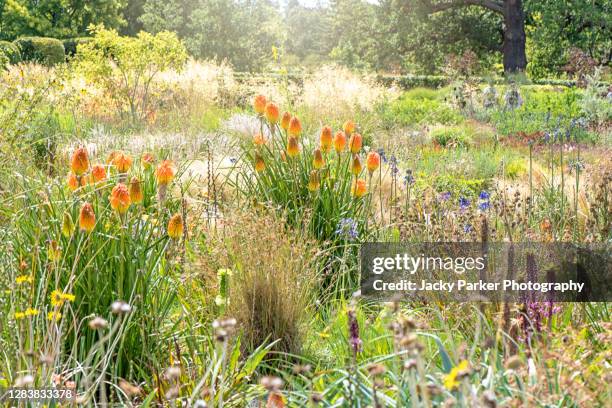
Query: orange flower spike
x=72 y=181
x=295 y=127
x=293 y=148
x=260 y=165
x=348 y=127
x=326 y=139
x=313 y=182
x=359 y=188
x=357 y=166
x=355 y=143
x=272 y=113
x=85 y=178
x=98 y=173
x=373 y=162
x=175 y=226
x=259 y=140
x=147 y=160
x=80 y=161
x=340 y=142
x=259 y=104
x=120 y=198
x=87 y=218
x=285 y=120
x=318 y=162
x=165 y=172
x=136 y=194
x=122 y=161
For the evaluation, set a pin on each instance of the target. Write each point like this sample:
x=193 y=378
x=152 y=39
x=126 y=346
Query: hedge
x=71 y=44
x=47 y=51
x=11 y=51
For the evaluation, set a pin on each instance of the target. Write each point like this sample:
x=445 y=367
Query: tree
x=240 y=31
x=514 y=38
x=57 y=18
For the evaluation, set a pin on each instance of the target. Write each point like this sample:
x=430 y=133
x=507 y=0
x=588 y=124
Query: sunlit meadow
x=177 y=234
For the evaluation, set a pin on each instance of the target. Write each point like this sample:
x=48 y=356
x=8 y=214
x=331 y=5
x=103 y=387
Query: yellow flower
x=67 y=225
x=355 y=142
x=54 y=316
x=72 y=181
x=313 y=182
x=272 y=113
x=326 y=139
x=260 y=164
x=340 y=142
x=285 y=120
x=19 y=315
x=30 y=312
x=122 y=161
x=356 y=167
x=54 y=252
x=450 y=380
x=295 y=127
x=259 y=104
x=348 y=127
x=318 y=162
x=24 y=279
x=56 y=298
x=68 y=297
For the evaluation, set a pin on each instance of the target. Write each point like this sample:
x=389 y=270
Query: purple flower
x=353 y=328
x=485 y=205
x=409 y=178
x=445 y=196
x=484 y=195
x=381 y=153
x=347 y=228
x=467 y=228
x=464 y=203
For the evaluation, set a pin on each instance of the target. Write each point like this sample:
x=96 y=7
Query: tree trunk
x=514 y=37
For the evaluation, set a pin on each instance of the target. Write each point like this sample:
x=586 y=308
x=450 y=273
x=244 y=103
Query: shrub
x=71 y=44
x=47 y=51
x=415 y=110
x=126 y=66
x=455 y=136
x=11 y=51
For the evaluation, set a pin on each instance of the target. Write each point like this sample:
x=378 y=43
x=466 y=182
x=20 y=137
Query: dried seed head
x=98 y=323
x=120 y=307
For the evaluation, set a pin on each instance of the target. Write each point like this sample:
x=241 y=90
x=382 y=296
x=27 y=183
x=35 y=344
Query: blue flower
x=485 y=205
x=347 y=228
x=467 y=228
x=484 y=195
x=445 y=196
x=464 y=203
x=381 y=153
x=409 y=178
